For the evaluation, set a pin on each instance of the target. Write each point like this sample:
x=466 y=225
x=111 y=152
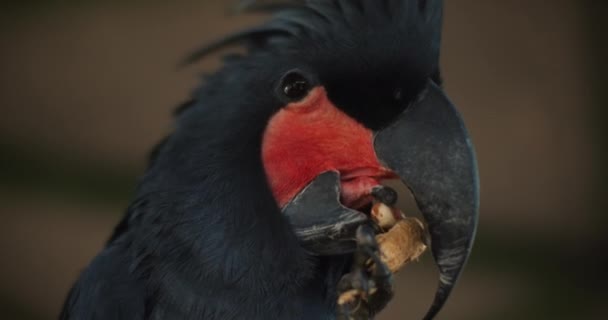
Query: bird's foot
x=369 y=286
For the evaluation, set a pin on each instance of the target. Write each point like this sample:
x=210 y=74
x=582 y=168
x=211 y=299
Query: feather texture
x=327 y=20
x=204 y=237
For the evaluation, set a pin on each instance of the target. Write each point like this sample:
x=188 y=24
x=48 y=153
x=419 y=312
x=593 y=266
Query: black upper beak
x=430 y=149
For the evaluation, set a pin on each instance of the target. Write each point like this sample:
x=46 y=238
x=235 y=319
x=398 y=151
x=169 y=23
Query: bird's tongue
x=356 y=193
x=356 y=185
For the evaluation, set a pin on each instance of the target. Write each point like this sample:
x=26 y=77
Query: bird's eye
x=295 y=86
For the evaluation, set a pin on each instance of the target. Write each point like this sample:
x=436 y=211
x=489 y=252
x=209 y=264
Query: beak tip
x=443 y=292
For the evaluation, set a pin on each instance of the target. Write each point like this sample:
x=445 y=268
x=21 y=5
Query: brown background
x=87 y=87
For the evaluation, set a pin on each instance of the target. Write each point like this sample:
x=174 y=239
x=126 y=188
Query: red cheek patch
x=310 y=137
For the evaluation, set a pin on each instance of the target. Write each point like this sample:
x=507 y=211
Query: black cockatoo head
x=345 y=86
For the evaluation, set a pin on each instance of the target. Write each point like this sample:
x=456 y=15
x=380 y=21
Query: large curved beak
x=430 y=149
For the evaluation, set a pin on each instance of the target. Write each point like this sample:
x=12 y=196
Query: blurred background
x=88 y=87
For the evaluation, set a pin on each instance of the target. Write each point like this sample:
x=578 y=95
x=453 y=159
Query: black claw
x=359 y=282
x=386 y=195
x=345 y=283
x=380 y=268
x=360 y=260
x=368 y=287
x=366 y=237
x=381 y=279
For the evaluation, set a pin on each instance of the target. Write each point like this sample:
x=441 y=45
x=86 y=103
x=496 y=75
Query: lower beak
x=321 y=222
x=429 y=148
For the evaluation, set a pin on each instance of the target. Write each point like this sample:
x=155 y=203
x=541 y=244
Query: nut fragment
x=404 y=242
x=384 y=216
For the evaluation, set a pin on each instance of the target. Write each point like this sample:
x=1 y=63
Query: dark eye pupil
x=295 y=86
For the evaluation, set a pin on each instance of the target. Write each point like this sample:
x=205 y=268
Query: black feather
x=265 y=7
x=253 y=36
x=351 y=46
x=334 y=19
x=204 y=237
